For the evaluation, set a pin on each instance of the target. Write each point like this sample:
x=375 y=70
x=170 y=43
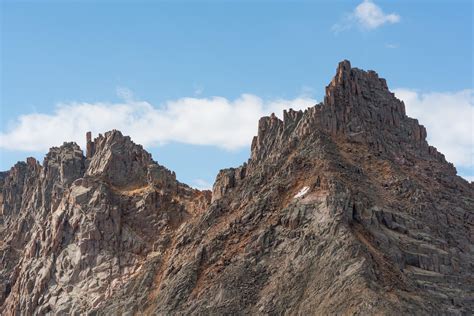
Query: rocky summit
x=341 y=209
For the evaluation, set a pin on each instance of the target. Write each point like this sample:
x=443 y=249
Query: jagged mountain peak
x=358 y=107
x=117 y=159
x=341 y=209
x=112 y=140
x=346 y=74
x=356 y=95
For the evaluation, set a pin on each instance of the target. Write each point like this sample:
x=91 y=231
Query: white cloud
x=371 y=16
x=448 y=118
x=469 y=178
x=201 y=184
x=217 y=121
x=229 y=124
x=367 y=16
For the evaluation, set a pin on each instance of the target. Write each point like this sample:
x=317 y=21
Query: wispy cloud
x=198 y=89
x=367 y=16
x=448 y=117
x=201 y=184
x=391 y=45
x=124 y=93
x=216 y=121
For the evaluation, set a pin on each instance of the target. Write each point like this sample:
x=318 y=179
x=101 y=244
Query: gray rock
x=342 y=208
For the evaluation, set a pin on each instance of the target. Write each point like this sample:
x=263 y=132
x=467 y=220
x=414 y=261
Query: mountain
x=342 y=208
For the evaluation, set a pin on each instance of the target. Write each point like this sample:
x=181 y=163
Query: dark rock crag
x=342 y=208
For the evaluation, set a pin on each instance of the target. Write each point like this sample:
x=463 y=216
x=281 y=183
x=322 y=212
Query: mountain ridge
x=342 y=208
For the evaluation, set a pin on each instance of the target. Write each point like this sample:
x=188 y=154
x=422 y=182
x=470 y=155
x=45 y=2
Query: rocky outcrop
x=342 y=208
x=118 y=161
x=77 y=228
x=226 y=180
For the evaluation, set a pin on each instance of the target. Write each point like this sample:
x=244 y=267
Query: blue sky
x=152 y=59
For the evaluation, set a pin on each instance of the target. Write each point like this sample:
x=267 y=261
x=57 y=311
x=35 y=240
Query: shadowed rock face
x=341 y=209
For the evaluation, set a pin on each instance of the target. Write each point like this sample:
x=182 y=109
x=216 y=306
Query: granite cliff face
x=342 y=208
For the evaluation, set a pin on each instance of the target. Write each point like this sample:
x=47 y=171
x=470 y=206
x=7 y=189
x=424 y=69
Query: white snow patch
x=302 y=192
